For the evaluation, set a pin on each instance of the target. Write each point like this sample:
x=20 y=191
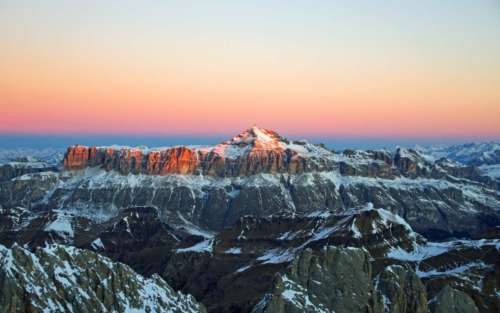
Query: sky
x=391 y=70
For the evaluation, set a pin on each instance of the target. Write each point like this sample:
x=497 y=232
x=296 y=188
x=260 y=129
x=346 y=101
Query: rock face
x=450 y=300
x=254 y=151
x=340 y=280
x=65 y=279
x=136 y=237
x=486 y=153
x=335 y=280
x=401 y=290
x=250 y=253
x=15 y=169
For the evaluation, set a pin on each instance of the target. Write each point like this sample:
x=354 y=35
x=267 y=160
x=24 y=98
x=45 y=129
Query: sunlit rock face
x=254 y=151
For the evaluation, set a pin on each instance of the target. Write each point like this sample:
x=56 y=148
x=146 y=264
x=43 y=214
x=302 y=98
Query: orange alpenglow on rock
x=254 y=151
x=76 y=157
x=180 y=160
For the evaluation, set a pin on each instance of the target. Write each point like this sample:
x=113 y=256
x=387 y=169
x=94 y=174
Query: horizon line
x=228 y=134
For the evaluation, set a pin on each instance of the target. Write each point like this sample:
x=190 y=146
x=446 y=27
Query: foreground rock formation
x=341 y=280
x=65 y=279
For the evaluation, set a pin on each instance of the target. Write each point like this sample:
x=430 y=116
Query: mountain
x=260 y=223
x=487 y=153
x=50 y=156
x=254 y=151
x=260 y=173
x=255 y=253
x=64 y=279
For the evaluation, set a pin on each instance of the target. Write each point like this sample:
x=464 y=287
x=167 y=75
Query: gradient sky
x=314 y=68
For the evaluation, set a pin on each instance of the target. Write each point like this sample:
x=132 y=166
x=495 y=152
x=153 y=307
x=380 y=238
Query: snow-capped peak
x=252 y=139
x=254 y=135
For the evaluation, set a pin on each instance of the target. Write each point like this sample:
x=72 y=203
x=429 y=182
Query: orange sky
x=206 y=70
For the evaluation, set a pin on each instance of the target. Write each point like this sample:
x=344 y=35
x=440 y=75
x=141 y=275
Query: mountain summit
x=255 y=150
x=256 y=136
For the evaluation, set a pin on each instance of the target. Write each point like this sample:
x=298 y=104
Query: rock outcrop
x=254 y=151
x=450 y=300
x=16 y=169
x=65 y=279
x=401 y=290
x=336 y=279
x=250 y=253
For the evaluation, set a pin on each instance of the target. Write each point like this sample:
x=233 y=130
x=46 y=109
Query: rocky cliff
x=64 y=279
x=341 y=280
x=256 y=150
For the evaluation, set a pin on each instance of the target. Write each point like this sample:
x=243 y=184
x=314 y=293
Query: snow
x=252 y=134
x=354 y=229
x=406 y=153
x=28 y=165
x=233 y=251
x=229 y=151
x=36 y=176
x=275 y=256
x=192 y=229
x=63 y=268
x=471 y=191
x=430 y=249
x=61 y=225
x=469 y=153
x=203 y=246
x=457 y=271
x=394 y=218
x=258 y=139
x=97 y=244
x=49 y=156
x=243 y=268
x=492 y=171
x=298 y=295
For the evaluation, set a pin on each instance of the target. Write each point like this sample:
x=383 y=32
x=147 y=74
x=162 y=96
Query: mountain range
x=257 y=223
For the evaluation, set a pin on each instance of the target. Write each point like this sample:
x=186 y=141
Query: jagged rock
x=485 y=153
x=65 y=279
x=136 y=237
x=248 y=254
x=470 y=266
x=28 y=189
x=450 y=300
x=254 y=151
x=15 y=169
x=334 y=280
x=401 y=290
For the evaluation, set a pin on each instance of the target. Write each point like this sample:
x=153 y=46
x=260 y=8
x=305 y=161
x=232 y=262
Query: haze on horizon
x=323 y=69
